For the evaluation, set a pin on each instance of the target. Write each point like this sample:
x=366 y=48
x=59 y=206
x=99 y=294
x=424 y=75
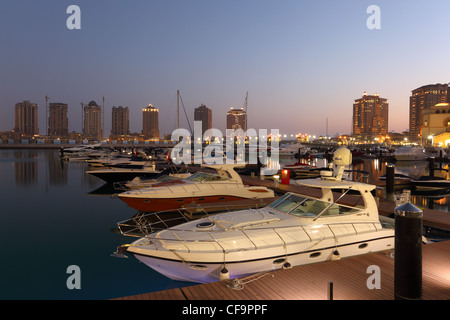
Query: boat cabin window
x=307 y=207
x=203 y=176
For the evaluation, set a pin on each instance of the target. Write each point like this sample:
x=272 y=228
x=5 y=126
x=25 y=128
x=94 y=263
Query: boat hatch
x=205 y=225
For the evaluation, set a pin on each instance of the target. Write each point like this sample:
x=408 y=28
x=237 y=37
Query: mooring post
x=330 y=290
x=431 y=166
x=408 y=253
x=390 y=169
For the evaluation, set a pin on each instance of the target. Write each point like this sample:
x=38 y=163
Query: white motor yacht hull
x=185 y=267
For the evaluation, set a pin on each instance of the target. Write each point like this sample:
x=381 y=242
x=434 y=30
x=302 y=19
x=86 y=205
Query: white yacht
x=294 y=230
x=415 y=153
x=200 y=188
x=294 y=149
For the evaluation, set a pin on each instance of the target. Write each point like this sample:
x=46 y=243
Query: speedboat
x=199 y=188
x=139 y=183
x=293 y=230
x=430 y=183
x=415 y=153
x=112 y=175
x=295 y=149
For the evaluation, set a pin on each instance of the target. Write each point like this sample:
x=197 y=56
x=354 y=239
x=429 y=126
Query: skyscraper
x=370 y=116
x=150 y=125
x=237 y=119
x=203 y=114
x=26 y=118
x=120 y=121
x=92 y=121
x=424 y=98
x=58 y=123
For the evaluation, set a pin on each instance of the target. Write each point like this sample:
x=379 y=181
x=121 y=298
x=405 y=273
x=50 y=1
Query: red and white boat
x=297 y=166
x=200 y=188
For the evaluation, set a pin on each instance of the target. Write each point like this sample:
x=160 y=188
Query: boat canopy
x=301 y=206
x=227 y=170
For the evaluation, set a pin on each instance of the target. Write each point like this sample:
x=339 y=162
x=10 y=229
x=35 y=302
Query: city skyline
x=302 y=62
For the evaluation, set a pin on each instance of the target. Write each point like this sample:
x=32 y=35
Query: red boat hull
x=153 y=205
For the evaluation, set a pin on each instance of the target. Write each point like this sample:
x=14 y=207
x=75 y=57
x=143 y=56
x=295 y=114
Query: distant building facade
x=370 y=116
x=150 y=124
x=92 y=121
x=237 y=119
x=120 y=121
x=203 y=114
x=435 y=121
x=26 y=118
x=421 y=99
x=58 y=122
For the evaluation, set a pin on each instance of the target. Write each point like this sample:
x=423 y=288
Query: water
x=50 y=221
x=54 y=215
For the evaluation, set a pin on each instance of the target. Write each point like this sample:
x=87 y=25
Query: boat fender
x=335 y=255
x=224 y=274
x=120 y=251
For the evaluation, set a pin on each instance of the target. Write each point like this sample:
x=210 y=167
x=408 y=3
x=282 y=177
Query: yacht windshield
x=203 y=176
x=308 y=207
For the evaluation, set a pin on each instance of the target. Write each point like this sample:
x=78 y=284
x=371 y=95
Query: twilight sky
x=301 y=61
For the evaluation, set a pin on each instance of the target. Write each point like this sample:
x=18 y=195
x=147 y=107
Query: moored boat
x=111 y=175
x=199 y=188
x=293 y=230
x=415 y=153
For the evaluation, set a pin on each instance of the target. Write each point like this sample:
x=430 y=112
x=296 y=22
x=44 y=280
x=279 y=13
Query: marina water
x=54 y=215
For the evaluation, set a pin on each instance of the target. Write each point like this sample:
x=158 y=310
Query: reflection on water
x=52 y=216
x=413 y=169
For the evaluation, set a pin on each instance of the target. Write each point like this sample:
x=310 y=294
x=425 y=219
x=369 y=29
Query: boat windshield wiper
x=328 y=207
x=299 y=204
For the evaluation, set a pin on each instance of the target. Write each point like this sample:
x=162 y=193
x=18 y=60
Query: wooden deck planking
x=310 y=282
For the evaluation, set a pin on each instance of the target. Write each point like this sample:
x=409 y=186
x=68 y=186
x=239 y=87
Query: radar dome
x=342 y=157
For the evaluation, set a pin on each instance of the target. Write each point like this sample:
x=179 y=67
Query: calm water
x=54 y=215
x=50 y=220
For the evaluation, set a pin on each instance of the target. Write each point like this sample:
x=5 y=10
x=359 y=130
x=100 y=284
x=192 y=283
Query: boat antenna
x=245 y=109
x=46 y=113
x=187 y=119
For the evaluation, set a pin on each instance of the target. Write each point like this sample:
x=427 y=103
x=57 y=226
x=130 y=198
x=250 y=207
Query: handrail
x=255 y=247
x=140 y=223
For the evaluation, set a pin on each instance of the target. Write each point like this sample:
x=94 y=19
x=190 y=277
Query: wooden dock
x=311 y=282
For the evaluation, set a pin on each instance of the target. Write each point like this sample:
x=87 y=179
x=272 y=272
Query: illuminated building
x=150 y=125
x=435 y=122
x=237 y=119
x=370 y=116
x=421 y=99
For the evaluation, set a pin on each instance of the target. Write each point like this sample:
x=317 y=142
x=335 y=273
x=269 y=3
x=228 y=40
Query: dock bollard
x=431 y=166
x=390 y=174
x=408 y=253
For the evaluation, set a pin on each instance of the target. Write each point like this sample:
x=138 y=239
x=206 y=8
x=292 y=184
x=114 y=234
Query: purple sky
x=300 y=61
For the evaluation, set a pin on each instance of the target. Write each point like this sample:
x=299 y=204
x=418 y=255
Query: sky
x=301 y=61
